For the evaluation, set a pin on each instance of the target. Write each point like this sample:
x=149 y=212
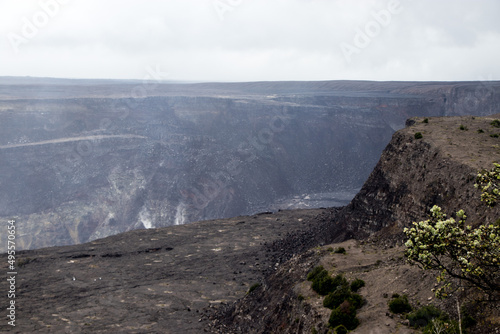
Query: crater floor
x=166 y=280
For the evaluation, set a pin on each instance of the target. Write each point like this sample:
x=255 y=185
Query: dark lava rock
x=168 y=280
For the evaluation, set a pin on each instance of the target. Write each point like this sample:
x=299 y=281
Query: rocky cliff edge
x=413 y=174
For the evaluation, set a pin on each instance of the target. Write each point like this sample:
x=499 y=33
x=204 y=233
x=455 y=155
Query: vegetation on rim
x=458 y=250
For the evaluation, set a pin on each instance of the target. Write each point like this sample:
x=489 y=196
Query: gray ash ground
x=168 y=280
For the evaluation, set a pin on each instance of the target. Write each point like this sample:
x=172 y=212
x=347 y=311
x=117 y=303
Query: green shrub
x=253 y=287
x=426 y=120
x=340 y=295
x=345 y=315
x=496 y=123
x=340 y=280
x=422 y=317
x=319 y=270
x=455 y=249
x=335 y=298
x=432 y=320
x=495 y=135
x=322 y=282
x=400 y=304
x=356 y=300
x=340 y=250
x=480 y=131
x=357 y=284
x=441 y=326
x=22 y=262
x=324 y=285
x=418 y=135
x=463 y=127
x=340 y=329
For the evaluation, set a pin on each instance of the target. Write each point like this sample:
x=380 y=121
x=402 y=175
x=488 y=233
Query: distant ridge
x=34 y=87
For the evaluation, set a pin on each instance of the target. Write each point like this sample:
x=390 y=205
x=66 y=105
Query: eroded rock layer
x=85 y=159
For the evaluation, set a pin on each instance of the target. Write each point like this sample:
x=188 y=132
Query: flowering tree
x=488 y=182
x=457 y=250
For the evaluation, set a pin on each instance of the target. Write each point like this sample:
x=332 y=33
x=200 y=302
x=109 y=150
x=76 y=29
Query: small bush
x=323 y=285
x=426 y=120
x=496 y=123
x=335 y=298
x=418 y=135
x=300 y=297
x=340 y=281
x=495 y=135
x=441 y=326
x=339 y=250
x=400 y=305
x=341 y=294
x=480 y=131
x=22 y=262
x=345 y=315
x=463 y=127
x=330 y=249
x=356 y=300
x=423 y=316
x=357 y=284
x=432 y=320
x=319 y=270
x=340 y=329
x=253 y=287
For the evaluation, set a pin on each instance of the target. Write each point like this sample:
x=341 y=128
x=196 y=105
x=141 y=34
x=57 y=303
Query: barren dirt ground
x=473 y=141
x=384 y=272
x=166 y=280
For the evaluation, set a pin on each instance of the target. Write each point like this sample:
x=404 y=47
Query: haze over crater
x=85 y=159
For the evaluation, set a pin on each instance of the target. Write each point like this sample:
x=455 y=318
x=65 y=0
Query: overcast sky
x=252 y=40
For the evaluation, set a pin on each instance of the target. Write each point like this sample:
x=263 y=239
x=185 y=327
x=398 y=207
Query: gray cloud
x=246 y=40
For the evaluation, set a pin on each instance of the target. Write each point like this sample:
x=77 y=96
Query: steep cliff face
x=181 y=160
x=84 y=160
x=412 y=175
x=173 y=278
